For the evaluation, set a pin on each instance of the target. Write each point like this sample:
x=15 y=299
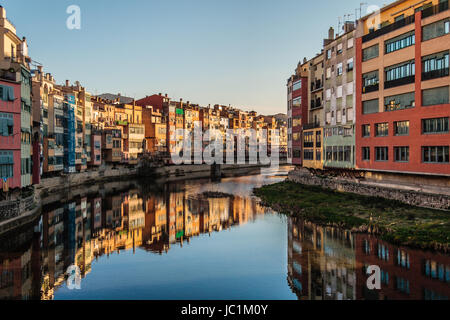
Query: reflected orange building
x=328 y=263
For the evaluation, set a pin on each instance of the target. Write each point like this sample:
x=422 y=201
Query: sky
x=234 y=52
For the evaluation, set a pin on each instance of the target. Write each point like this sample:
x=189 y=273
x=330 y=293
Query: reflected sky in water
x=174 y=241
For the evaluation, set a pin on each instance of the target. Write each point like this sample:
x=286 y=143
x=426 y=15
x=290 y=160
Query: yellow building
x=313 y=148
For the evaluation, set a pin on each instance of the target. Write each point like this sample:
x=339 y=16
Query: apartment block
x=339 y=88
x=298 y=103
x=402 y=86
x=14 y=63
x=155 y=130
x=10 y=142
x=313 y=129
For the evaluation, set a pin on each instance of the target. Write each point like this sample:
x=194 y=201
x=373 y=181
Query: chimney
x=331 y=33
x=349 y=26
x=159 y=94
x=181 y=100
x=2 y=13
x=166 y=95
x=67 y=83
x=304 y=60
x=40 y=68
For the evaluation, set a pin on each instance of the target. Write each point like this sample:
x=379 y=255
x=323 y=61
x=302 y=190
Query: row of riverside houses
x=49 y=129
x=376 y=99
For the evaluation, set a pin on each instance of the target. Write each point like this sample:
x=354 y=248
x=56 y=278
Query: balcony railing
x=316 y=85
x=370 y=88
x=389 y=28
x=310 y=126
x=435 y=74
x=433 y=10
x=399 y=82
x=316 y=104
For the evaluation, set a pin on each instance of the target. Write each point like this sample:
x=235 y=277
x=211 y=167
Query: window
x=400 y=74
x=437 y=29
x=339 y=92
x=318 y=155
x=399 y=102
x=438 y=154
x=350 y=43
x=350 y=65
x=318 y=139
x=401 y=128
x=401 y=154
x=435 y=66
x=435 y=96
x=381 y=129
x=339 y=69
x=6 y=124
x=371 y=52
x=400 y=42
x=370 y=81
x=347 y=153
x=6 y=164
x=366 y=130
x=339 y=48
x=297 y=85
x=308 y=140
x=308 y=155
x=25 y=167
x=6 y=93
x=366 y=153
x=436 y=125
x=370 y=106
x=341 y=153
x=381 y=154
x=328 y=54
x=329 y=153
x=297 y=102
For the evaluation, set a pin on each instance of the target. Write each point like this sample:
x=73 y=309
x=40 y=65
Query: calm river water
x=174 y=241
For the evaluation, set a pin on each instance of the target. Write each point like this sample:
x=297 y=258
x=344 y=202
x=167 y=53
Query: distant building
x=14 y=63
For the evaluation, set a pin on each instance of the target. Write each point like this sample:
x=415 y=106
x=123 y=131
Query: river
x=203 y=239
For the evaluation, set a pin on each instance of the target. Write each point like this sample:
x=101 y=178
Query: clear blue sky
x=237 y=52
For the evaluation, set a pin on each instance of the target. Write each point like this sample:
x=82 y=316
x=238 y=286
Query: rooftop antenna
x=339 y=27
x=360 y=8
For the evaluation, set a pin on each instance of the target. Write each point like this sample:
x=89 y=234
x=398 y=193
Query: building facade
x=339 y=88
x=402 y=86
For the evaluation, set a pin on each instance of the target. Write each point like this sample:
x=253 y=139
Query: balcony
x=433 y=10
x=317 y=85
x=435 y=74
x=399 y=82
x=370 y=88
x=310 y=126
x=389 y=28
x=316 y=104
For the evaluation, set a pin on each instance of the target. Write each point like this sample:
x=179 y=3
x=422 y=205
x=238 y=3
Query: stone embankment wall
x=421 y=196
x=18 y=212
x=70 y=181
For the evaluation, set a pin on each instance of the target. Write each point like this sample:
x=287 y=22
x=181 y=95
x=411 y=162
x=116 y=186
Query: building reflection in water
x=326 y=263
x=33 y=261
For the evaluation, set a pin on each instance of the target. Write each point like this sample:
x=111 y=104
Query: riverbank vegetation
x=394 y=221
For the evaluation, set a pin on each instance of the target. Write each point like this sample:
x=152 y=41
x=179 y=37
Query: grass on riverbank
x=394 y=221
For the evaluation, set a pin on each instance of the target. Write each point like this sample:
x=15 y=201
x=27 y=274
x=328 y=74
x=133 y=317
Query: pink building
x=9 y=134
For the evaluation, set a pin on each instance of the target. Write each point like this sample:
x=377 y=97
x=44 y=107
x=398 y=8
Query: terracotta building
x=402 y=86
